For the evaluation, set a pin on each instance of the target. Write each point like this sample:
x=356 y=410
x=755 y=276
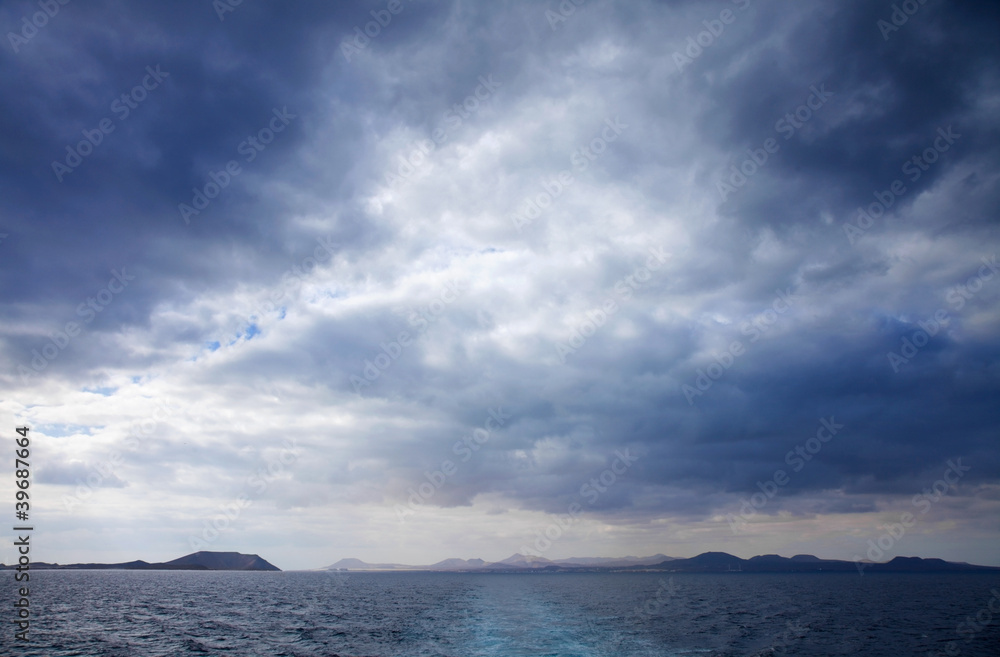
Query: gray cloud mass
x=612 y=239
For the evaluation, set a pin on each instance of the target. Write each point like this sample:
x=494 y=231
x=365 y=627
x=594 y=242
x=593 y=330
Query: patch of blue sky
x=63 y=430
x=105 y=391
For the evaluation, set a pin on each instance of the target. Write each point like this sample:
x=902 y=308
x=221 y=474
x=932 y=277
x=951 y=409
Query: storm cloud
x=465 y=255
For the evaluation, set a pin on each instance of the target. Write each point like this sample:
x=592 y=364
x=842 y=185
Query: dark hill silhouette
x=223 y=561
x=195 y=561
x=715 y=562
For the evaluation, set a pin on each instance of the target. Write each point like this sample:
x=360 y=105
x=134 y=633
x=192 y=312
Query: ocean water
x=311 y=614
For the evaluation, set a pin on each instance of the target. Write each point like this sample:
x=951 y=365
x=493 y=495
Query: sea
x=111 y=613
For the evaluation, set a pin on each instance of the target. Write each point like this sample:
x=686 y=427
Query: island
x=195 y=561
x=707 y=562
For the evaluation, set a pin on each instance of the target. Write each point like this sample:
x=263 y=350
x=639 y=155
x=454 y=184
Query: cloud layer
x=276 y=284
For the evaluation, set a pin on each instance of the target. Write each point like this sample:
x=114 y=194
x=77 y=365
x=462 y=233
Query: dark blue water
x=149 y=614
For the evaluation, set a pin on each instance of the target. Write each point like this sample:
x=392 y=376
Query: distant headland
x=708 y=562
x=195 y=561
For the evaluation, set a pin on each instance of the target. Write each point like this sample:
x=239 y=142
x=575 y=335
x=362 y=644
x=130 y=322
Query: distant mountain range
x=196 y=561
x=708 y=562
x=514 y=562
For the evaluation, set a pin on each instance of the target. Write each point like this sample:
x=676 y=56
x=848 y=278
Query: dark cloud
x=280 y=309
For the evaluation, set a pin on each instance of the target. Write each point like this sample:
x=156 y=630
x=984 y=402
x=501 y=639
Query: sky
x=407 y=280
